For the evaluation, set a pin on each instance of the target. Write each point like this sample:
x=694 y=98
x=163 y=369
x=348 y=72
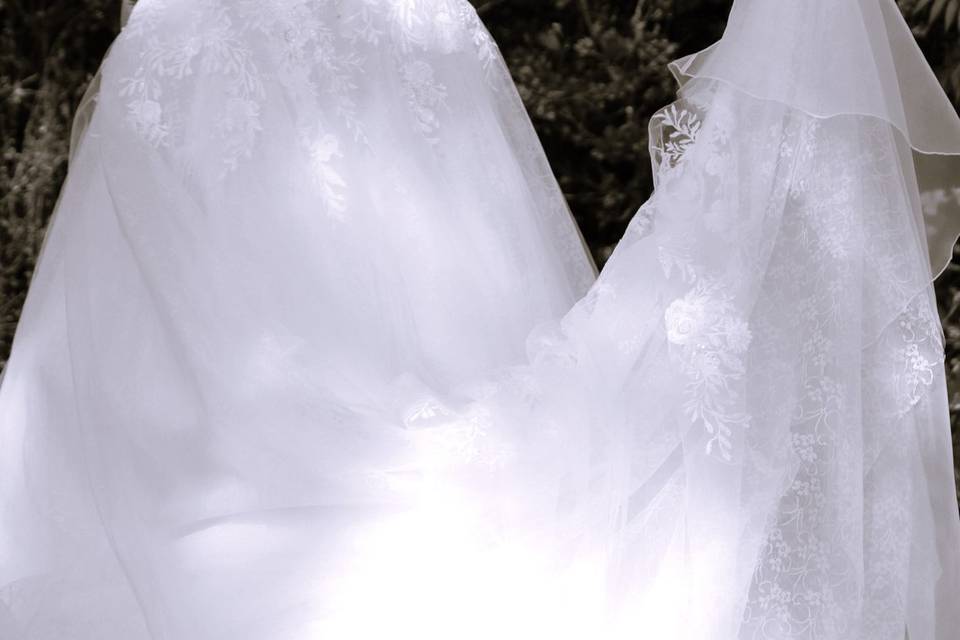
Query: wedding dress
x=740 y=433
x=281 y=218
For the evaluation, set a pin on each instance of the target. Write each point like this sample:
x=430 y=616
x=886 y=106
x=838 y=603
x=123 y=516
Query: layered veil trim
x=852 y=58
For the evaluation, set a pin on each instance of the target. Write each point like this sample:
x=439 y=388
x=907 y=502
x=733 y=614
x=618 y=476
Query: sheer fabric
x=739 y=432
x=277 y=215
x=742 y=430
x=752 y=439
x=856 y=58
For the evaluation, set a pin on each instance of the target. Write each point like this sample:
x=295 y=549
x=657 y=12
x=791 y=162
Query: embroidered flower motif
x=712 y=340
x=167 y=59
x=146 y=117
x=707 y=335
x=686 y=320
x=919 y=372
x=331 y=183
x=314 y=62
x=921 y=353
x=681 y=127
x=424 y=94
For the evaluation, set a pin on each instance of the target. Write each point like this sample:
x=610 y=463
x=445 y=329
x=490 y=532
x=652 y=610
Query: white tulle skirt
x=281 y=220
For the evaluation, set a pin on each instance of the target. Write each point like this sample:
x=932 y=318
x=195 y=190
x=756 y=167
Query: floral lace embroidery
x=220 y=51
x=679 y=128
x=315 y=60
x=846 y=220
x=425 y=95
x=712 y=341
x=921 y=353
x=704 y=328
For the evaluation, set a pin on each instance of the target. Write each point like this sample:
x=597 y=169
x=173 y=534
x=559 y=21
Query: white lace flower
x=146 y=117
x=686 y=319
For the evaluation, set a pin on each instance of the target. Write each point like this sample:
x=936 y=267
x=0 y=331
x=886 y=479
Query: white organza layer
x=851 y=57
x=279 y=214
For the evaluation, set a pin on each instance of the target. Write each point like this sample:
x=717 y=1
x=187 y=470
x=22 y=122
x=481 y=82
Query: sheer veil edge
x=856 y=59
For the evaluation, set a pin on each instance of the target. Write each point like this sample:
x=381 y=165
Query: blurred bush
x=591 y=73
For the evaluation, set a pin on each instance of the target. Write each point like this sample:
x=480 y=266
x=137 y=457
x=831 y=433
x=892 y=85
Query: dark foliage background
x=591 y=73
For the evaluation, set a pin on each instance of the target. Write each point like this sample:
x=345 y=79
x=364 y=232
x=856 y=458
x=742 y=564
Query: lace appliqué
x=425 y=95
x=921 y=354
x=213 y=47
x=313 y=46
x=679 y=129
x=711 y=340
x=706 y=333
